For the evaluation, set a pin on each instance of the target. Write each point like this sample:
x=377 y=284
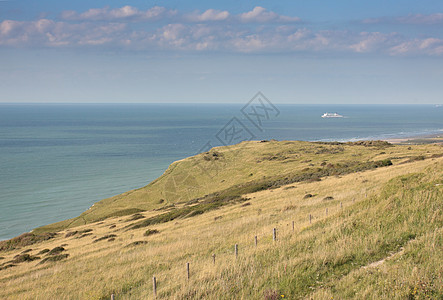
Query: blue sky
x=294 y=51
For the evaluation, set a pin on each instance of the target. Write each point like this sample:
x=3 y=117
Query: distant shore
x=436 y=138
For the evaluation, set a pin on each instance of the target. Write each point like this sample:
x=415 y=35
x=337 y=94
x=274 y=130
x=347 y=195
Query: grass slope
x=225 y=167
x=376 y=233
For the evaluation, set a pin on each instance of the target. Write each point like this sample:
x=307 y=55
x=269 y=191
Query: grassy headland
x=375 y=231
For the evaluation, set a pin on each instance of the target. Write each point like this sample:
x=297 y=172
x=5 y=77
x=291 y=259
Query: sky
x=296 y=51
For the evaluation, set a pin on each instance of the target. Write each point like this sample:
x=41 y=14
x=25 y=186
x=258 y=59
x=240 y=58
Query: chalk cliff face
x=255 y=220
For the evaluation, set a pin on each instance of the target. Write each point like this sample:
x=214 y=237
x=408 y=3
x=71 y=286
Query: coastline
x=54 y=170
x=436 y=138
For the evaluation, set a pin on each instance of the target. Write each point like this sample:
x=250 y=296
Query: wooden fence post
x=341 y=204
x=236 y=250
x=154 y=286
x=255 y=241
x=213 y=258
x=274 y=234
x=187 y=269
x=293 y=226
x=310 y=218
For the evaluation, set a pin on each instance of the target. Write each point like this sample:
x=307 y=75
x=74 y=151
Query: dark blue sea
x=56 y=160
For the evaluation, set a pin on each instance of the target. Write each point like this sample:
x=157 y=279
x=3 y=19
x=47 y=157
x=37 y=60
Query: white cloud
x=422 y=19
x=249 y=43
x=129 y=13
x=208 y=15
x=429 y=46
x=367 y=42
x=124 y=13
x=416 y=19
x=48 y=33
x=212 y=30
x=261 y=15
x=7 y=26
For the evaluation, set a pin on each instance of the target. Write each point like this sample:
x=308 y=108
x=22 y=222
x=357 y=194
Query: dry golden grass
x=322 y=260
x=188 y=179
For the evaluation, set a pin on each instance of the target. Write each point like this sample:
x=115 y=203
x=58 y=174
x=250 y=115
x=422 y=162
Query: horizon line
x=211 y=103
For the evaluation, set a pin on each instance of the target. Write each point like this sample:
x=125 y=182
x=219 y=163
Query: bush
x=105 y=238
x=136 y=243
x=24 y=257
x=25 y=239
x=56 y=250
x=151 y=232
x=54 y=258
x=71 y=233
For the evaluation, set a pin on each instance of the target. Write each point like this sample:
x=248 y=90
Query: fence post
x=154 y=286
x=310 y=218
x=274 y=234
x=341 y=205
x=187 y=269
x=255 y=241
x=293 y=226
x=326 y=211
x=213 y=258
x=236 y=250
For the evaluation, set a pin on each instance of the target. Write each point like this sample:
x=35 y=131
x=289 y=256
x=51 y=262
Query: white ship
x=331 y=115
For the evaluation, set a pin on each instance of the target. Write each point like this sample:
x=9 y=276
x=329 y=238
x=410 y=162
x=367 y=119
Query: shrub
x=24 y=257
x=151 y=232
x=54 y=258
x=108 y=236
x=134 y=217
x=25 y=239
x=136 y=243
x=71 y=233
x=56 y=250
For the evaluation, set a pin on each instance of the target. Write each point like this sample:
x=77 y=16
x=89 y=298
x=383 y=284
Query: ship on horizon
x=331 y=115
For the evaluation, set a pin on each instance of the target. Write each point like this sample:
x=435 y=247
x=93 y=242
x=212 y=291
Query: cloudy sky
x=296 y=51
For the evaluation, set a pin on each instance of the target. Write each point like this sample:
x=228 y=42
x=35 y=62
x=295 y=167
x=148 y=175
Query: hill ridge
x=357 y=219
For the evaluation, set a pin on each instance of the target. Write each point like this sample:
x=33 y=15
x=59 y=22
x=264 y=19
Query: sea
x=56 y=160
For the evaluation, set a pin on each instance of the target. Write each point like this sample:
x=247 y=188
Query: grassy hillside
x=224 y=167
x=363 y=229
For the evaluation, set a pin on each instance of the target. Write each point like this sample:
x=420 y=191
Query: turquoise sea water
x=56 y=160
